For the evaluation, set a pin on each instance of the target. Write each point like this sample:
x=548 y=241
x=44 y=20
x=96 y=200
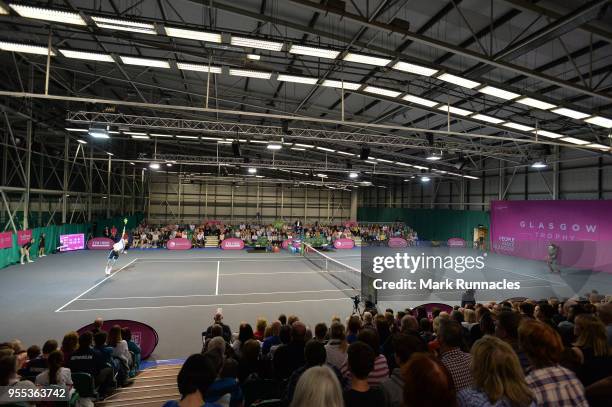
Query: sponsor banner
x=581 y=230
x=456 y=242
x=431 y=306
x=344 y=243
x=397 y=242
x=23 y=236
x=6 y=240
x=72 y=242
x=100 y=243
x=142 y=334
x=179 y=243
x=232 y=244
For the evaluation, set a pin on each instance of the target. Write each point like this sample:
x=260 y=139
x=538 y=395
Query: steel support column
x=66 y=179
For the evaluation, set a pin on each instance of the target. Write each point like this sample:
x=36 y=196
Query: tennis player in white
x=118 y=248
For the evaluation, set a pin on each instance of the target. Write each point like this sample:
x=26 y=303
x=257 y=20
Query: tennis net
x=342 y=276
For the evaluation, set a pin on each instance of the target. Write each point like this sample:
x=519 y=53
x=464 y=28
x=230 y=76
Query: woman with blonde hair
x=318 y=386
x=591 y=347
x=498 y=377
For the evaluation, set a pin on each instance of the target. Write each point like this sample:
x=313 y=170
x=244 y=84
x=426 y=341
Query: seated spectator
x=126 y=334
x=498 y=377
x=290 y=357
x=452 y=357
x=318 y=386
x=55 y=374
x=600 y=393
x=352 y=329
x=284 y=336
x=226 y=385
x=282 y=319
x=506 y=329
x=360 y=364
x=409 y=324
x=69 y=344
x=427 y=383
x=218 y=320
x=426 y=330
x=88 y=360
x=9 y=376
x=273 y=339
x=119 y=345
x=195 y=377
x=33 y=352
x=591 y=346
x=336 y=346
x=36 y=366
x=552 y=384
x=321 y=332
x=97 y=325
x=292 y=319
x=100 y=344
x=245 y=334
x=260 y=328
x=380 y=370
x=368 y=321
x=404 y=347
x=249 y=363
x=605 y=314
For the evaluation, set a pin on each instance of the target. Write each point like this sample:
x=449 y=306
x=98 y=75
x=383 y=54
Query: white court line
x=211 y=295
x=282 y=272
x=524 y=275
x=217 y=284
x=94 y=286
x=344 y=298
x=209 y=260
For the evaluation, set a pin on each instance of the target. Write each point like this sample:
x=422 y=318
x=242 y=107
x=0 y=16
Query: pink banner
x=23 y=237
x=72 y=242
x=456 y=242
x=180 y=243
x=142 y=334
x=232 y=244
x=397 y=242
x=100 y=243
x=582 y=230
x=344 y=243
x=6 y=240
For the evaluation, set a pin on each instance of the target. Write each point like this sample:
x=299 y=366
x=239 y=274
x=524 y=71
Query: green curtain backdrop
x=430 y=224
x=52 y=232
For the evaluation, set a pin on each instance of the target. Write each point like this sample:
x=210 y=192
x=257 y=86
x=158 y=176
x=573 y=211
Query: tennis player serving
x=118 y=247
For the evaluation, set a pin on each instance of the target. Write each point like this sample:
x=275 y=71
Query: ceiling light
x=314 y=52
x=345 y=153
x=259 y=176
x=326 y=149
x=321 y=175
x=197 y=67
x=124 y=25
x=539 y=165
x=517 y=126
x=420 y=167
x=575 y=141
x=420 y=101
x=251 y=141
x=298 y=149
x=600 y=121
x=470 y=177
x=252 y=170
x=371 y=162
x=250 y=74
x=548 y=134
x=297 y=79
x=98 y=133
x=433 y=157
x=274 y=146
x=89 y=56
x=131 y=163
x=25 y=48
x=366 y=59
x=160 y=135
x=425 y=179
x=599 y=146
x=74 y=129
x=82 y=141
x=154 y=166
x=168 y=164
x=457 y=80
x=303 y=145
x=110 y=154
x=340 y=84
x=353 y=175
x=140 y=136
x=500 y=93
x=3 y=10
x=403 y=164
x=381 y=91
x=193 y=34
x=224 y=142
x=188 y=137
x=415 y=69
x=134 y=133
x=48 y=14
x=574 y=114
x=538 y=104
x=156 y=63
x=488 y=119
x=382 y=160
x=454 y=110
x=253 y=57
x=255 y=43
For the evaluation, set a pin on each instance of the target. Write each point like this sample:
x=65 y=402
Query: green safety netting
x=430 y=224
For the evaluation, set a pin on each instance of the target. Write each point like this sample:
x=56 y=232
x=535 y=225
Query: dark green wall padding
x=430 y=224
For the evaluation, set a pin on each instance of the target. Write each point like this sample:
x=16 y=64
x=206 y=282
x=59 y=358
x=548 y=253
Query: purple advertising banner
x=455 y=242
x=6 y=240
x=232 y=244
x=100 y=243
x=72 y=242
x=397 y=242
x=582 y=231
x=142 y=334
x=179 y=243
x=344 y=243
x=431 y=306
x=23 y=237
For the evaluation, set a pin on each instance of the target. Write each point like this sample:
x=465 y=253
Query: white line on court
x=209 y=260
x=282 y=272
x=211 y=295
x=344 y=298
x=213 y=258
x=94 y=286
x=217 y=284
